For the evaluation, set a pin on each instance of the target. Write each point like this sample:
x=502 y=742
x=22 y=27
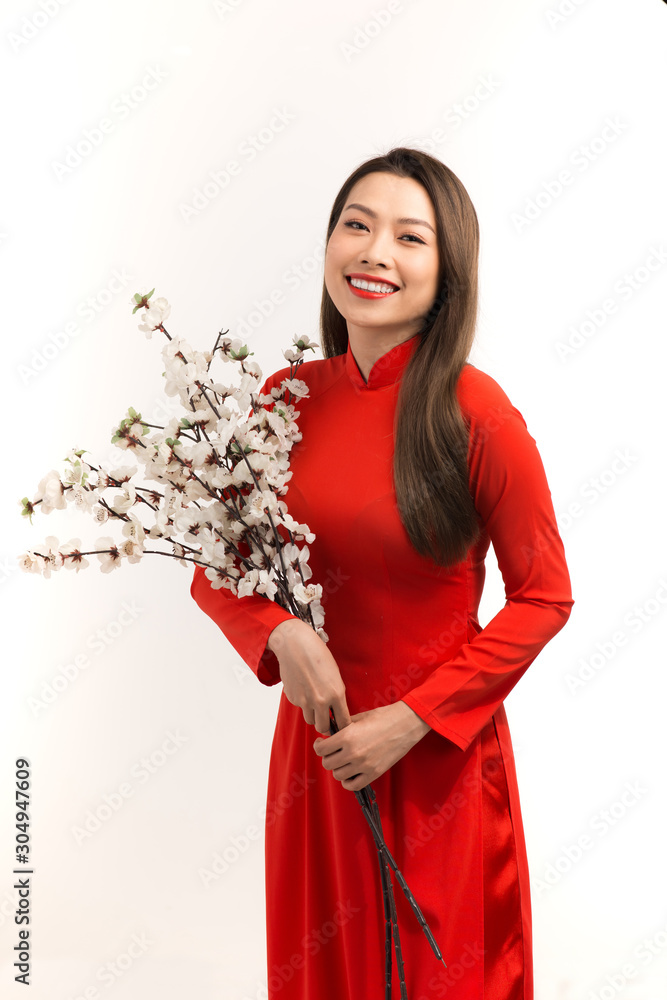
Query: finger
x=326 y=745
x=335 y=760
x=355 y=783
x=308 y=716
x=322 y=720
x=341 y=712
x=345 y=772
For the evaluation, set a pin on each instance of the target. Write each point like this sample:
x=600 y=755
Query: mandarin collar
x=387 y=369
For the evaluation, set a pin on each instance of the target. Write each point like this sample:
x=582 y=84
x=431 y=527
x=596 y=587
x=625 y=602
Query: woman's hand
x=310 y=675
x=370 y=745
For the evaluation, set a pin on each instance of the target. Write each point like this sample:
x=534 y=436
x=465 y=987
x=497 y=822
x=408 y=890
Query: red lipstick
x=364 y=293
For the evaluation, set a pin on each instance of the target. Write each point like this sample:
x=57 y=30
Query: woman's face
x=385 y=234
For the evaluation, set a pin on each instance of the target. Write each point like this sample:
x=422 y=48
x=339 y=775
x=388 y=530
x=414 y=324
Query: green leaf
x=139 y=299
x=27 y=509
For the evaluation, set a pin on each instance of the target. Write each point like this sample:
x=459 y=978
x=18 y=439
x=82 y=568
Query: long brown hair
x=431 y=435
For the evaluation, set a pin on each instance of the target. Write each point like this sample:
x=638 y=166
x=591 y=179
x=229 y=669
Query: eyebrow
x=406 y=222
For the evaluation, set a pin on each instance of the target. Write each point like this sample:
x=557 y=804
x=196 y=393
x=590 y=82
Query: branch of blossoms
x=220 y=477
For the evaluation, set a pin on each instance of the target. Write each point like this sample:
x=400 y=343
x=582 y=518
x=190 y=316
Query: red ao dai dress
x=400 y=626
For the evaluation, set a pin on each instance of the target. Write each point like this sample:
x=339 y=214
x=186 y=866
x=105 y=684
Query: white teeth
x=372 y=286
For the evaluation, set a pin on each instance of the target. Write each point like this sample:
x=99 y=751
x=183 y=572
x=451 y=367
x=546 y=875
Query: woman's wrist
x=281 y=632
x=415 y=727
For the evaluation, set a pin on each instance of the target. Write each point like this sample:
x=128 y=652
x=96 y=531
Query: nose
x=376 y=251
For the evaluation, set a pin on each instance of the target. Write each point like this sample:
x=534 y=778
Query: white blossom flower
x=76 y=470
x=123 y=473
x=109 y=559
x=179 y=551
x=30 y=563
x=100 y=514
x=304 y=343
x=82 y=498
x=121 y=504
x=247 y=585
x=219 y=579
x=296 y=386
x=298 y=530
x=51 y=557
x=227 y=346
x=203 y=416
x=134 y=529
x=179 y=376
x=224 y=432
x=221 y=479
x=51 y=492
x=131 y=549
x=163 y=527
x=154 y=316
x=317 y=614
x=241 y=394
x=266 y=585
x=72 y=555
x=279 y=425
x=178 y=352
x=309 y=593
x=295 y=560
x=44 y=565
x=252 y=368
x=257 y=505
x=185 y=519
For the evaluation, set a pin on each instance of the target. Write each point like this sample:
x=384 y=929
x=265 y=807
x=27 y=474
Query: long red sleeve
x=511 y=494
x=246 y=621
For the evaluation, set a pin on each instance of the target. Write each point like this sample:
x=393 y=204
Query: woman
x=412 y=461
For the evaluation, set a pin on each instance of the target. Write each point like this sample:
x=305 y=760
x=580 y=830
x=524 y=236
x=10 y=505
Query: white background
x=536 y=92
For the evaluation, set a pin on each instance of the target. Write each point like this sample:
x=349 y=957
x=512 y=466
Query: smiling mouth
x=370 y=289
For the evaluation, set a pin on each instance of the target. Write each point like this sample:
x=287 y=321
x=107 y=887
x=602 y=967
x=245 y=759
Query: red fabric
x=400 y=626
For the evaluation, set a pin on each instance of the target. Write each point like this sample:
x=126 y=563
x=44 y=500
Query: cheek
x=423 y=280
x=429 y=280
x=329 y=271
x=331 y=258
x=332 y=277
x=335 y=250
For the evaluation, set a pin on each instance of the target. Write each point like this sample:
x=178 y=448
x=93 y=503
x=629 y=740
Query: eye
x=410 y=237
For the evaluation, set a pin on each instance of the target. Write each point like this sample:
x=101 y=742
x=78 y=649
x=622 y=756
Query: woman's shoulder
x=479 y=393
x=315 y=372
